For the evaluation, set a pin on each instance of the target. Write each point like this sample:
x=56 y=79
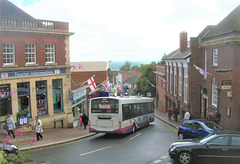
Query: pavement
x=57 y=136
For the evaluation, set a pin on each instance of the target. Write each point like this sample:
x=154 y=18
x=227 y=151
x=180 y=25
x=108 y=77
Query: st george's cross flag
x=105 y=85
x=201 y=71
x=92 y=84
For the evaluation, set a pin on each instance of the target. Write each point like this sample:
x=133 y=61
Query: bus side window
x=125 y=112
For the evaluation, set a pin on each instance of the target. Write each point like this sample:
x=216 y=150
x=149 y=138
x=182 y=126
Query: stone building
x=34 y=67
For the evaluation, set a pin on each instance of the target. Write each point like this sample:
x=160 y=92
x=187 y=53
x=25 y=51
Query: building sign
x=77 y=95
x=31 y=73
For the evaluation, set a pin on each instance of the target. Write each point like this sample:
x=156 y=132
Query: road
x=147 y=145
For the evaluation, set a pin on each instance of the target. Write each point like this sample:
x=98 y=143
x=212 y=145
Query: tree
x=147 y=76
x=127 y=65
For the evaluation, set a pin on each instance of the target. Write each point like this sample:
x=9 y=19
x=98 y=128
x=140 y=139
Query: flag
x=78 y=66
x=152 y=85
x=201 y=71
x=92 y=84
x=105 y=85
x=116 y=88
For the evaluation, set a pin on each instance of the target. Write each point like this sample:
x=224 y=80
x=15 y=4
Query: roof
x=229 y=24
x=7 y=9
x=90 y=66
x=178 y=55
x=131 y=80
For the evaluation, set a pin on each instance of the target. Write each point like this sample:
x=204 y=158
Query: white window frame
x=214 y=94
x=174 y=79
x=8 y=50
x=215 y=57
x=185 y=84
x=30 y=53
x=50 y=52
x=167 y=77
x=170 y=80
x=205 y=55
x=179 y=80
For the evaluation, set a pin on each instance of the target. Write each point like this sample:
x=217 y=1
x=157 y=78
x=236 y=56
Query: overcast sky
x=133 y=30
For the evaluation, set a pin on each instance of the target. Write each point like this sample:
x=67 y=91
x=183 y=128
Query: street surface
x=147 y=145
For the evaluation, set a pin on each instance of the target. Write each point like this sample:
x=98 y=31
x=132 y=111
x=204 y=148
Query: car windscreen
x=211 y=126
x=104 y=105
x=206 y=138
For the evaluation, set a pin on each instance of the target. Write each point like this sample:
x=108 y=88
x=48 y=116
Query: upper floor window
x=8 y=54
x=30 y=52
x=205 y=55
x=215 y=57
x=50 y=53
x=185 y=84
x=214 y=94
x=180 y=81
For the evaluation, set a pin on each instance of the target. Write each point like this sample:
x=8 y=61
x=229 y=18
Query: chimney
x=183 y=41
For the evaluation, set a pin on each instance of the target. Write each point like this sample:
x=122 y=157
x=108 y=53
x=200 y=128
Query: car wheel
x=185 y=157
x=180 y=136
x=134 y=128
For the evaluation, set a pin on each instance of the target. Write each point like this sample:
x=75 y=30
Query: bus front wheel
x=134 y=128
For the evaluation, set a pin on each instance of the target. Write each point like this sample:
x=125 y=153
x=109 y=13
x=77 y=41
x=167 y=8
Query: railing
x=32 y=23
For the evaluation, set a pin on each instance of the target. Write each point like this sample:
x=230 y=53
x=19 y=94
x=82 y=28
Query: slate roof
x=131 y=80
x=230 y=23
x=7 y=9
x=178 y=55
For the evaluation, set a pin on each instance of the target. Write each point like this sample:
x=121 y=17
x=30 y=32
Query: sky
x=133 y=30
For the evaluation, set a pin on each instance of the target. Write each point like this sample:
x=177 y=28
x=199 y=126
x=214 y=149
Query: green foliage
x=127 y=64
x=2 y=157
x=147 y=76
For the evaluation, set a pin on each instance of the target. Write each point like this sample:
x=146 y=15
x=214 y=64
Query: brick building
x=34 y=67
x=160 y=88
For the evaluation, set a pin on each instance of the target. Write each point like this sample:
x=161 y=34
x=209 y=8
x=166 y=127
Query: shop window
x=5 y=100
x=41 y=97
x=23 y=97
x=57 y=95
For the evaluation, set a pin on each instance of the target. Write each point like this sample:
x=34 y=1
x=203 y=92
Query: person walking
x=80 y=121
x=175 y=111
x=85 y=120
x=169 y=113
x=38 y=125
x=210 y=116
x=10 y=125
x=187 y=115
x=217 y=117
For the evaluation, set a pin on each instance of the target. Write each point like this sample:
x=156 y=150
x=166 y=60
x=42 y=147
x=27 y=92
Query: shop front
x=79 y=103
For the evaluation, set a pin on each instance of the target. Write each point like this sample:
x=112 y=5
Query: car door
x=234 y=148
x=187 y=129
x=197 y=130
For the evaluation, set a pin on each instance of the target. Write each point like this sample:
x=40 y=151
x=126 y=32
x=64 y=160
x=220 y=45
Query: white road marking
x=157 y=161
x=135 y=136
x=94 y=151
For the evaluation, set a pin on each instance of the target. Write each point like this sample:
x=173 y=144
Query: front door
x=204 y=108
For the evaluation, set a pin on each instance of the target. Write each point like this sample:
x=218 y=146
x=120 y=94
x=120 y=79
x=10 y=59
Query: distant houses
x=204 y=76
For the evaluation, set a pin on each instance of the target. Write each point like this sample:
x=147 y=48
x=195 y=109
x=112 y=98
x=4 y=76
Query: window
x=185 y=84
x=50 y=53
x=23 y=96
x=8 y=54
x=5 y=100
x=167 y=77
x=214 y=94
x=41 y=97
x=180 y=81
x=30 y=52
x=215 y=57
x=205 y=60
x=174 y=80
x=219 y=141
x=170 y=79
x=235 y=141
x=57 y=95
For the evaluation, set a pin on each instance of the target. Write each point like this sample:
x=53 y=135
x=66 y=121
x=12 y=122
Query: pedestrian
x=175 y=111
x=38 y=125
x=183 y=113
x=187 y=115
x=210 y=116
x=85 y=120
x=10 y=125
x=217 y=117
x=80 y=121
x=169 y=113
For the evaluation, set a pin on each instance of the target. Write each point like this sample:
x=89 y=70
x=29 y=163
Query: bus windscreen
x=104 y=106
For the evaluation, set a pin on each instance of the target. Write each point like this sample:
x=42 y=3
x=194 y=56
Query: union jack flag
x=78 y=66
x=105 y=85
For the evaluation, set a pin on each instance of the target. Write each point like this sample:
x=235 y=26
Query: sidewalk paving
x=63 y=135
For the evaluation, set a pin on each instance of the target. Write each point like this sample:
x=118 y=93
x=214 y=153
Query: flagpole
x=80 y=84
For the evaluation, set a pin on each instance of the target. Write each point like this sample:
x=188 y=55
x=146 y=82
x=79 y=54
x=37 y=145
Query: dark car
x=219 y=146
x=8 y=148
x=197 y=129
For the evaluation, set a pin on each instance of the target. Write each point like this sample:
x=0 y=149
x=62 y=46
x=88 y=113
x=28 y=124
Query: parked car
x=197 y=129
x=9 y=148
x=221 y=146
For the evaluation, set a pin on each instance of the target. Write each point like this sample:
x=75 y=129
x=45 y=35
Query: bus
x=120 y=115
